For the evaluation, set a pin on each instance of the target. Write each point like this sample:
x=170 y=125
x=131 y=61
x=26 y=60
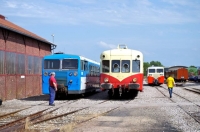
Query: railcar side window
x=160 y=71
x=51 y=64
x=82 y=65
x=70 y=64
x=116 y=66
x=85 y=65
x=106 y=66
x=125 y=66
x=90 y=70
x=136 y=66
x=152 y=70
x=98 y=71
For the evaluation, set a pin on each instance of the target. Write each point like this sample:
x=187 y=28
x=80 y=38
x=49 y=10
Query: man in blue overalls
x=52 y=88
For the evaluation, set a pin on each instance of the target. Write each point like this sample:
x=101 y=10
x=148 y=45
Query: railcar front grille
x=134 y=86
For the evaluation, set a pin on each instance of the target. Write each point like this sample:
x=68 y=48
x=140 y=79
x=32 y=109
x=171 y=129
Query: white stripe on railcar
x=83 y=81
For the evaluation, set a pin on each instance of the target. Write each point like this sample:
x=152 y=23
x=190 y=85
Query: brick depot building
x=21 y=54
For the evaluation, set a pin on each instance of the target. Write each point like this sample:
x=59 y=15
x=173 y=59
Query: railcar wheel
x=57 y=96
x=133 y=93
x=110 y=93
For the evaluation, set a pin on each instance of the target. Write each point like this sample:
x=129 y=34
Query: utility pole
x=53 y=40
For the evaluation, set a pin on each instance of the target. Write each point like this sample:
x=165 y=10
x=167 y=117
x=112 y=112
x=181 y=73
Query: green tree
x=155 y=63
x=145 y=65
x=192 y=70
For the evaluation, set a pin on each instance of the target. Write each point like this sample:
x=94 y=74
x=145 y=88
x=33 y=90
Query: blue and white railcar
x=74 y=74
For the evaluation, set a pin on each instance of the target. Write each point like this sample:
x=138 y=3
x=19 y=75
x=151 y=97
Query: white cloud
x=108 y=46
x=106 y=12
x=11 y=4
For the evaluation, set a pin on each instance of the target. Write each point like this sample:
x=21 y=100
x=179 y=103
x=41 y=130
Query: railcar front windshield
x=106 y=66
x=115 y=66
x=118 y=66
x=51 y=64
x=125 y=66
x=160 y=70
x=136 y=66
x=70 y=64
x=152 y=70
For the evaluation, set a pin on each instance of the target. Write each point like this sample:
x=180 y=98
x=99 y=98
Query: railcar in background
x=198 y=74
x=179 y=73
x=155 y=75
x=121 y=72
x=75 y=74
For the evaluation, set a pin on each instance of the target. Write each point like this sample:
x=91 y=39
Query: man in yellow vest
x=170 y=84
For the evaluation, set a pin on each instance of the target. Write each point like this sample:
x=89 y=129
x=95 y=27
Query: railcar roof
x=155 y=67
x=83 y=58
x=62 y=56
x=117 y=51
x=176 y=68
x=122 y=49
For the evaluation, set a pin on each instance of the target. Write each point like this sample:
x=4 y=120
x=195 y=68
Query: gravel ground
x=149 y=111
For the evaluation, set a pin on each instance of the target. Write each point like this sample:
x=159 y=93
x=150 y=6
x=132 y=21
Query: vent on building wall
x=2 y=17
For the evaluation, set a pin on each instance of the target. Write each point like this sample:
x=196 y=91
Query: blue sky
x=163 y=30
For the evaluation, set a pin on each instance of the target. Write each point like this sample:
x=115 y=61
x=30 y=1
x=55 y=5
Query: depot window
x=2 y=62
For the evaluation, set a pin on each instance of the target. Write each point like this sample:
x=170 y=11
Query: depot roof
x=13 y=27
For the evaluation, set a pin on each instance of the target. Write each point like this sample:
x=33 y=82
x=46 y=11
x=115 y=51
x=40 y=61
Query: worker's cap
x=52 y=73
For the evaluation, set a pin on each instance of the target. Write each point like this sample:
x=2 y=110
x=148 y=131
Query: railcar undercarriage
x=122 y=93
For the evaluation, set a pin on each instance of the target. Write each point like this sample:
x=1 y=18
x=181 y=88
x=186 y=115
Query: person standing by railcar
x=170 y=84
x=52 y=88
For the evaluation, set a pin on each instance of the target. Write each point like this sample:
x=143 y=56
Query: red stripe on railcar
x=150 y=79
x=125 y=81
x=161 y=79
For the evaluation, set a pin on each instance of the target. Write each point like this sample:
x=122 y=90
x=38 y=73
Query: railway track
x=72 y=118
x=196 y=90
x=190 y=86
x=193 y=115
x=14 y=121
x=59 y=119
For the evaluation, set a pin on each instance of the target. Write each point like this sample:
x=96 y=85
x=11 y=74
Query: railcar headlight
x=70 y=74
x=75 y=73
x=134 y=80
x=105 y=80
x=46 y=73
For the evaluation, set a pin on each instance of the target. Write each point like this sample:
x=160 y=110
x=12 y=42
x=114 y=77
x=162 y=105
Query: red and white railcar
x=155 y=75
x=121 y=71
